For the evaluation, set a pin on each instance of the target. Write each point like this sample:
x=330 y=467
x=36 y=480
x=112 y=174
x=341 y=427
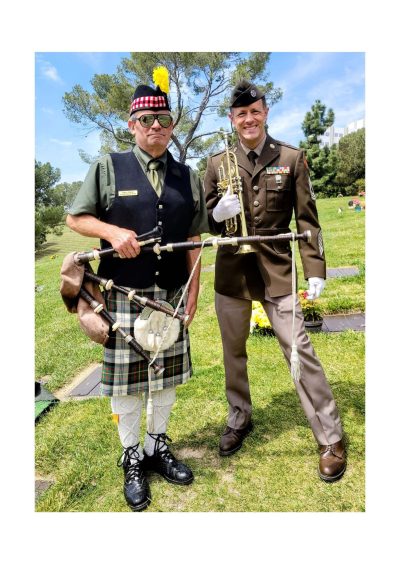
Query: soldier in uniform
x=275 y=182
x=125 y=194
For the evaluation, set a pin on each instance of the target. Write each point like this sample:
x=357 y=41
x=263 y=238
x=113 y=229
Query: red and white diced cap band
x=148 y=102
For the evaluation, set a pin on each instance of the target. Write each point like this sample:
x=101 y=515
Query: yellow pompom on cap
x=146 y=97
x=161 y=78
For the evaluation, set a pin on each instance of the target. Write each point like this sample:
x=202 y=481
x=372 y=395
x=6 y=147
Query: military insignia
x=313 y=197
x=320 y=244
x=278 y=178
x=277 y=169
x=272 y=146
x=253 y=93
x=127 y=192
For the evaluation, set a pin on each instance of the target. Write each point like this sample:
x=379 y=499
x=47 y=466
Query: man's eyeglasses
x=147 y=120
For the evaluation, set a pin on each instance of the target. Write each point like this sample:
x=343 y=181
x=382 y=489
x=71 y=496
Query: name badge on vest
x=127 y=192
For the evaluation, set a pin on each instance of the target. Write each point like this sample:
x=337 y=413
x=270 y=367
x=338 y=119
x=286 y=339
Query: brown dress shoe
x=232 y=439
x=332 y=461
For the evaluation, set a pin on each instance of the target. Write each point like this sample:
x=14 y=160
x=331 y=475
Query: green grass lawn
x=77 y=444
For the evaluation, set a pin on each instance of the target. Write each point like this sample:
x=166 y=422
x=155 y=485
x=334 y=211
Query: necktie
x=153 y=166
x=252 y=156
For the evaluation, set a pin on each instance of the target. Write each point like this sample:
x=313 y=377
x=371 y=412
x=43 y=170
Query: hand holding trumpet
x=227 y=207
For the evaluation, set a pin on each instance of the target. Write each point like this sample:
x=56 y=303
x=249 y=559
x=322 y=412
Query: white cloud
x=348 y=114
x=337 y=89
x=286 y=121
x=61 y=142
x=285 y=124
x=49 y=71
x=307 y=64
x=93 y=60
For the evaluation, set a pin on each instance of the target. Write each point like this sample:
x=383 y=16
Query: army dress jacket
x=278 y=186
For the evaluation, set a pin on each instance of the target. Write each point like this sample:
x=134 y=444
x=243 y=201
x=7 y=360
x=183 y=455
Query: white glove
x=315 y=287
x=227 y=207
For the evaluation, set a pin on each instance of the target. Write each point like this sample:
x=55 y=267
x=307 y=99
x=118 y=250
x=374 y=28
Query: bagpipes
x=81 y=294
x=80 y=290
x=190 y=245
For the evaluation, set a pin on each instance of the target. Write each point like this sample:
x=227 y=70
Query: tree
x=48 y=212
x=45 y=178
x=326 y=184
x=351 y=159
x=322 y=161
x=64 y=194
x=315 y=123
x=199 y=87
x=47 y=220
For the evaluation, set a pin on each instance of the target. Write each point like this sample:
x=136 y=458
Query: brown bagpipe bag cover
x=91 y=323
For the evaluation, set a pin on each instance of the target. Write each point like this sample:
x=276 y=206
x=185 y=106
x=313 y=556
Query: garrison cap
x=245 y=93
x=148 y=98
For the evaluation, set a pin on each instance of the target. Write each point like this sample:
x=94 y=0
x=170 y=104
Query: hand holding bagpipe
x=153 y=236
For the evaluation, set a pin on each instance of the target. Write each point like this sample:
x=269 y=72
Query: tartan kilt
x=124 y=371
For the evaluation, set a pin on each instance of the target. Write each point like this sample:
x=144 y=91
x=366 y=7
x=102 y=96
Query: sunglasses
x=147 y=120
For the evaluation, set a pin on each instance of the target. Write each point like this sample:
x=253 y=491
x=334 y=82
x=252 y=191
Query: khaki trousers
x=313 y=389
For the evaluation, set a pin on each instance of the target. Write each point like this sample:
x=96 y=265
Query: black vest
x=141 y=210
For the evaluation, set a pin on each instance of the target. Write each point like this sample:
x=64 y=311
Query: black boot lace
x=161 y=442
x=130 y=461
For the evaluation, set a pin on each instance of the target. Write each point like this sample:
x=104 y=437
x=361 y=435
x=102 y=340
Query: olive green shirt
x=98 y=190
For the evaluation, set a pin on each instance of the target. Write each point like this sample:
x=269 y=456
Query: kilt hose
x=124 y=371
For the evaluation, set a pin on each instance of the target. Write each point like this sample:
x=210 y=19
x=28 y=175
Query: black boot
x=164 y=462
x=136 y=487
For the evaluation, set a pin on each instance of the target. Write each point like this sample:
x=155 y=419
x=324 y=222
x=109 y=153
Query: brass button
x=256 y=203
x=255 y=188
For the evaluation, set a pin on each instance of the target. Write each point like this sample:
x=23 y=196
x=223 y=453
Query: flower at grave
x=312 y=309
x=259 y=322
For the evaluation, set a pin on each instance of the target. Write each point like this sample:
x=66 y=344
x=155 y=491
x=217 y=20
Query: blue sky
x=336 y=78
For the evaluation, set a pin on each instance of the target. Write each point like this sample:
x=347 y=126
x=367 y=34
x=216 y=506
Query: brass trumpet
x=231 y=183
